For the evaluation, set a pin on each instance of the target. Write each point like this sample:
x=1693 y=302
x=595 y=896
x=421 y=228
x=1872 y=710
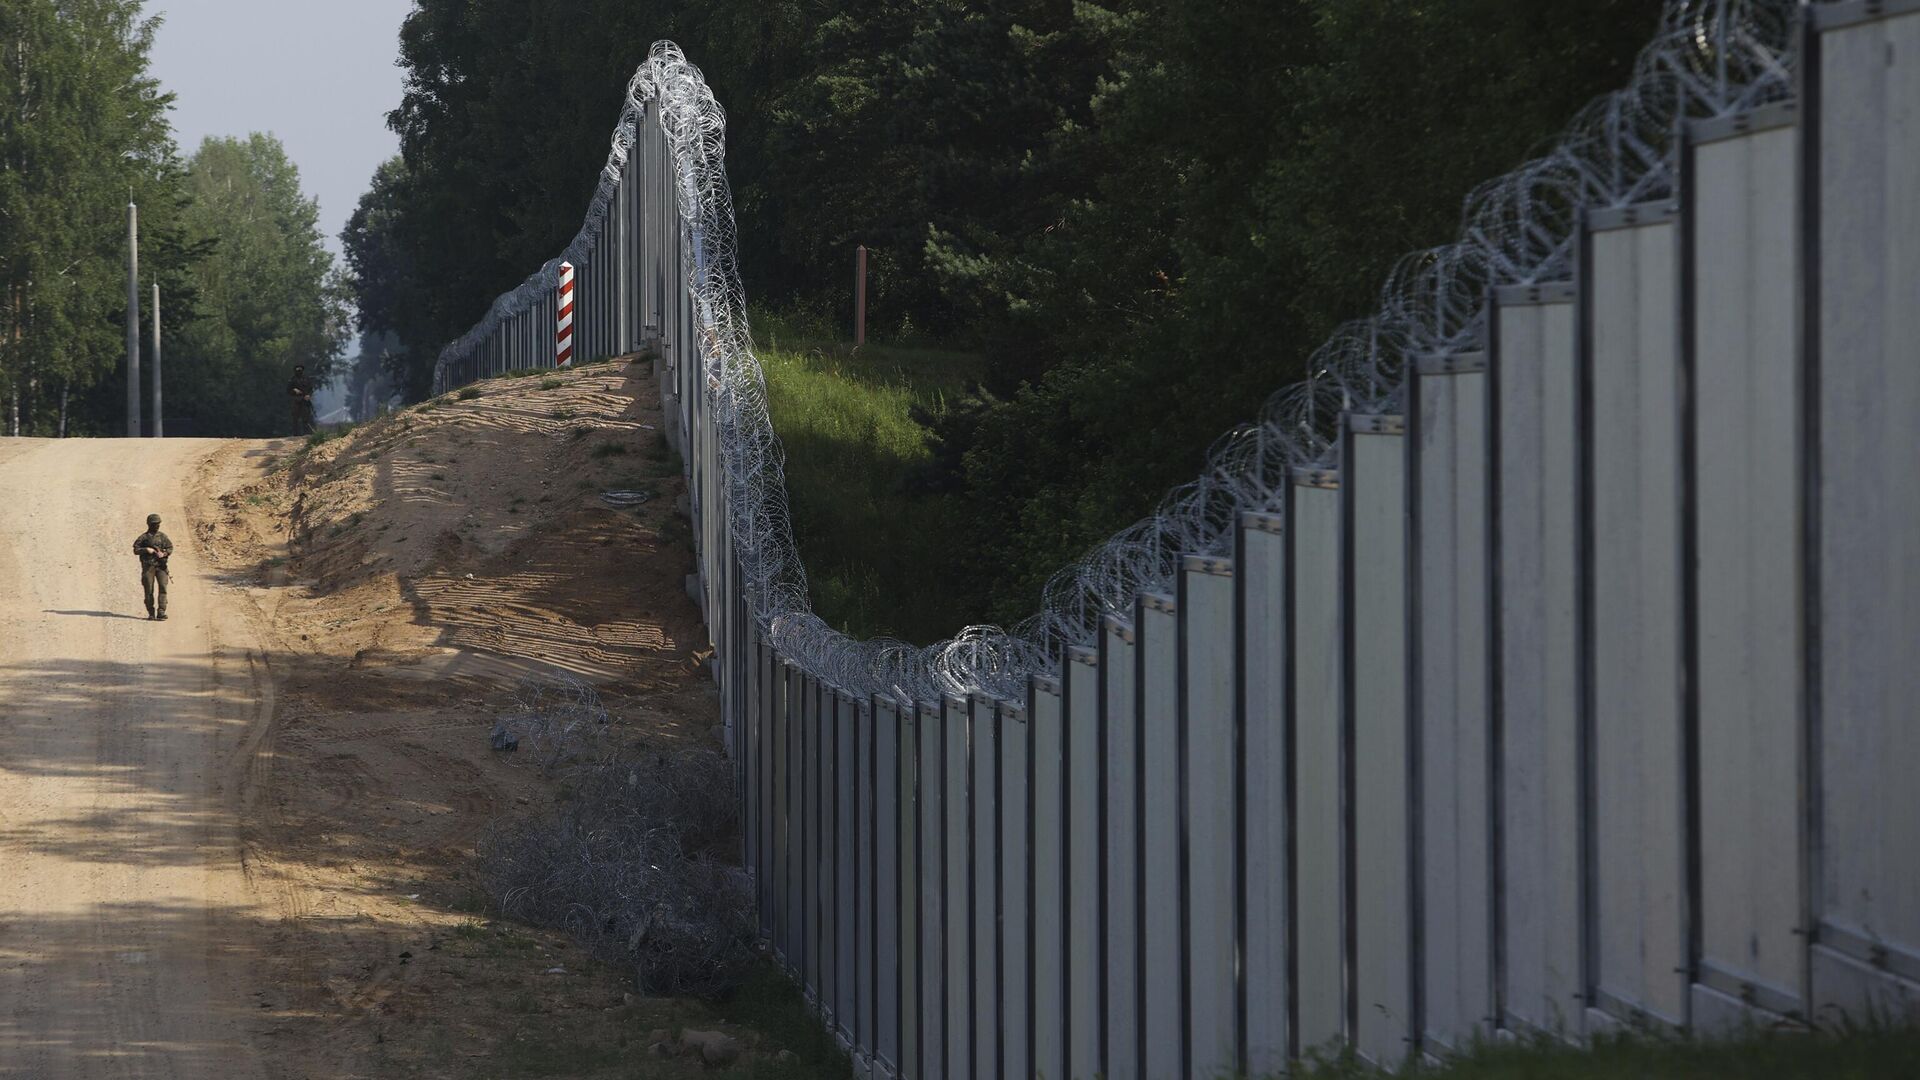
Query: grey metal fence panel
x=1638 y=766
x=1016 y=891
x=1081 y=751
x=1162 y=1006
x=759 y=775
x=1375 y=487
x=957 y=724
x=1540 y=698
x=1450 y=428
x=912 y=895
x=1209 y=814
x=1120 y=848
x=1047 y=765
x=933 y=1032
x=1748 y=583
x=1313 y=516
x=866 y=853
x=791 y=815
x=892 y=888
x=983 y=785
x=1265 y=856
x=1869 y=514
x=817 y=762
x=846 y=907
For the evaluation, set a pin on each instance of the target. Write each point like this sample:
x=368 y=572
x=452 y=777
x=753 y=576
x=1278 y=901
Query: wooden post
x=860 y=296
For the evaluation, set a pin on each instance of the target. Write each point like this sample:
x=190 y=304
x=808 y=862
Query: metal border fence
x=1541 y=664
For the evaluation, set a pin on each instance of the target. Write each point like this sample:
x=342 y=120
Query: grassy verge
x=1862 y=1053
x=874 y=554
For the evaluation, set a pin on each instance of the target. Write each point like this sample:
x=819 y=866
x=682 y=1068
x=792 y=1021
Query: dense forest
x=247 y=289
x=1146 y=213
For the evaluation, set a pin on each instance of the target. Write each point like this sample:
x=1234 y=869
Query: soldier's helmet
x=153 y=519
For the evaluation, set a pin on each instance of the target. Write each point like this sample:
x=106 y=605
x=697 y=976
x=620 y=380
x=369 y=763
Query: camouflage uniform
x=153 y=568
x=300 y=394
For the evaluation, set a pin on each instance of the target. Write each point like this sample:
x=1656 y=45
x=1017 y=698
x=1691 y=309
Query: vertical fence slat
x=932 y=1033
x=1016 y=891
x=1082 y=925
x=984 y=787
x=1380 y=720
x=912 y=894
x=1266 y=857
x=1867 y=502
x=1539 y=686
x=1162 y=1004
x=1120 y=848
x=1046 y=763
x=1450 y=425
x=1209 y=815
x=1313 y=536
x=846 y=892
x=1639 y=828
x=891 y=970
x=957 y=796
x=1747 y=584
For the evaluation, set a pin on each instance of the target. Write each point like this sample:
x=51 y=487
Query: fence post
x=563 y=344
x=860 y=296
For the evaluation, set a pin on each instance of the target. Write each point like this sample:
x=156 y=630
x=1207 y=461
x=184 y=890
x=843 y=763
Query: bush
x=468 y=393
x=552 y=384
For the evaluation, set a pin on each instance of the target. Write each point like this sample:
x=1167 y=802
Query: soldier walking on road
x=154 y=549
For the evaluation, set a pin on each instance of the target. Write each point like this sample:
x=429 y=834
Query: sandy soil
x=239 y=843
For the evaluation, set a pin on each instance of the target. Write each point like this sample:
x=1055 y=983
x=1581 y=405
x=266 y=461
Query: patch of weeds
x=563 y=414
x=552 y=384
x=607 y=450
x=769 y=1002
x=439 y=476
x=542 y=1054
x=468 y=393
x=322 y=436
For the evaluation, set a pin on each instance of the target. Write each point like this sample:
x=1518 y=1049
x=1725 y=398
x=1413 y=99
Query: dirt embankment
x=404 y=578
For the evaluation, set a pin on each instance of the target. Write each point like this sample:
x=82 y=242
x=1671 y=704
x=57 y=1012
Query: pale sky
x=319 y=74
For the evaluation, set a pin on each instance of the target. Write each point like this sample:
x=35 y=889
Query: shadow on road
x=96 y=614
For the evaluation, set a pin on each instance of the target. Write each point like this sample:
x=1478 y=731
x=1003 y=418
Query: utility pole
x=159 y=429
x=133 y=321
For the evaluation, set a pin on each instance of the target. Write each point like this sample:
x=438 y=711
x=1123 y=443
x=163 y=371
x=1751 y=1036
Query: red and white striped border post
x=563 y=347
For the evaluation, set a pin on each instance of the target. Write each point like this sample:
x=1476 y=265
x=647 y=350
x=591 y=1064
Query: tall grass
x=876 y=556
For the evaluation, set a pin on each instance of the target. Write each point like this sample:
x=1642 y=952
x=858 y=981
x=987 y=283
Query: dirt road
x=125 y=918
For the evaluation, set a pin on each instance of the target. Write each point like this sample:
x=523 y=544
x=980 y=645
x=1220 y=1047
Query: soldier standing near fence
x=154 y=550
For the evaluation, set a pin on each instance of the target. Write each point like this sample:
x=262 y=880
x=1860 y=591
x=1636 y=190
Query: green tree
x=269 y=297
x=83 y=131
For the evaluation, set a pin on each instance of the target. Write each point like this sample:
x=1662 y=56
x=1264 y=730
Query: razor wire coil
x=1710 y=58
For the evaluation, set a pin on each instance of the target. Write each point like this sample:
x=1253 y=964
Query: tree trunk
x=63 y=410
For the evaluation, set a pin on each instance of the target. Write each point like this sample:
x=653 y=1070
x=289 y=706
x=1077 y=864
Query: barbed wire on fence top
x=1710 y=58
